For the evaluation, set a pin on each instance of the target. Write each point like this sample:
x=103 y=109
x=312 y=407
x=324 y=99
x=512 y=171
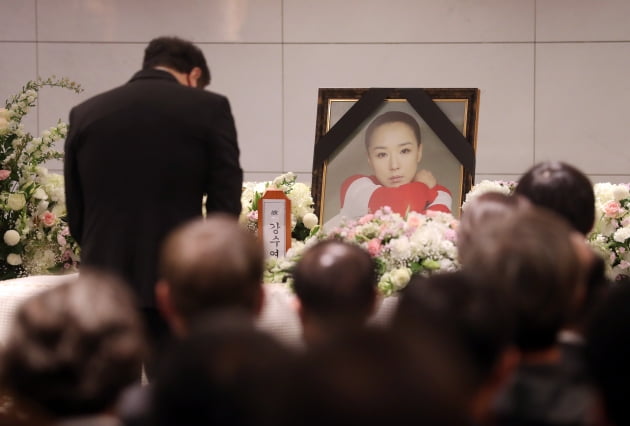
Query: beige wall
x=553 y=74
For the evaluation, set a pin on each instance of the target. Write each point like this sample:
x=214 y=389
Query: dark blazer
x=138 y=160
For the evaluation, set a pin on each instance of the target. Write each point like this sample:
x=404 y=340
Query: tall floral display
x=611 y=233
x=35 y=236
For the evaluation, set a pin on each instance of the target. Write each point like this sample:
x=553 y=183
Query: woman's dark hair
x=391 y=117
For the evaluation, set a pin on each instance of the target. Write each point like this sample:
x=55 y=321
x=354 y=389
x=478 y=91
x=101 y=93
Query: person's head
x=488 y=207
x=377 y=377
x=394 y=149
x=475 y=317
x=454 y=303
x=75 y=347
x=335 y=283
x=532 y=257
x=562 y=188
x=608 y=351
x=226 y=372
x=180 y=56
x=208 y=265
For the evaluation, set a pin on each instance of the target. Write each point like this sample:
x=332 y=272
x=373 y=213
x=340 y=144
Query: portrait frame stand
x=447 y=116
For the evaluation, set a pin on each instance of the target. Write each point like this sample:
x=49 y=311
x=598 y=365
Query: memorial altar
x=36 y=243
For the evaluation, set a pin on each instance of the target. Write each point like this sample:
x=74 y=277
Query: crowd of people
x=159 y=327
x=528 y=332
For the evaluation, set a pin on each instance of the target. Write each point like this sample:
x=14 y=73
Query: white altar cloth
x=278 y=316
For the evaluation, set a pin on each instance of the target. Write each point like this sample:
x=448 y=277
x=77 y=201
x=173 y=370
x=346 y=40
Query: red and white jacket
x=362 y=194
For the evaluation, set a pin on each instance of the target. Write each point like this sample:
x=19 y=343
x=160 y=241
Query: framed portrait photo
x=409 y=149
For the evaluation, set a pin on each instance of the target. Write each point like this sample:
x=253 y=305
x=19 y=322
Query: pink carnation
x=612 y=208
x=49 y=218
x=4 y=174
x=374 y=246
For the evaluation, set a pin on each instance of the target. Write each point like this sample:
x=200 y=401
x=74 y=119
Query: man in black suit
x=138 y=160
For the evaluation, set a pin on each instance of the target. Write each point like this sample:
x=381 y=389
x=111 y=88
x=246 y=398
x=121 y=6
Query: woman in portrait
x=394 y=149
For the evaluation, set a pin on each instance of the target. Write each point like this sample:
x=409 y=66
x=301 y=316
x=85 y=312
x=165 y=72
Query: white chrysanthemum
x=11 y=237
x=16 y=201
x=14 y=259
x=310 y=220
x=621 y=192
x=483 y=187
x=604 y=192
x=400 y=277
x=621 y=235
x=400 y=248
x=40 y=194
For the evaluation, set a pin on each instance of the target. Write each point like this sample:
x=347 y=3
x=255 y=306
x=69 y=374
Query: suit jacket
x=138 y=160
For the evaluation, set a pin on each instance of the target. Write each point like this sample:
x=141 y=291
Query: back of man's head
x=212 y=264
x=180 y=55
x=532 y=258
x=563 y=189
x=336 y=281
x=225 y=372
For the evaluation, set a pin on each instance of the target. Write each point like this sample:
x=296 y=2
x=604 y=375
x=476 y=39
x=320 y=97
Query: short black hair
x=562 y=188
x=392 y=117
x=181 y=55
x=335 y=279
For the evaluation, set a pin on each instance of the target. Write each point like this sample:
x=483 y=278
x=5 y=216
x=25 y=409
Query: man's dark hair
x=336 y=280
x=75 y=347
x=562 y=188
x=180 y=55
x=391 y=117
x=474 y=315
x=532 y=258
x=226 y=372
x=211 y=264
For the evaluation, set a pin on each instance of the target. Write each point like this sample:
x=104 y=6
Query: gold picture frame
x=448 y=124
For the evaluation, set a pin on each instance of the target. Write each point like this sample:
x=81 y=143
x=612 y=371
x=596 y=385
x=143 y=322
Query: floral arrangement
x=35 y=236
x=401 y=246
x=304 y=222
x=502 y=186
x=611 y=233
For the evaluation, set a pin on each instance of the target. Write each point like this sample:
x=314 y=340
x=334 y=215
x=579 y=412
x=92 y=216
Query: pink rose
x=450 y=235
x=48 y=218
x=612 y=208
x=374 y=246
x=61 y=240
x=4 y=174
x=413 y=221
